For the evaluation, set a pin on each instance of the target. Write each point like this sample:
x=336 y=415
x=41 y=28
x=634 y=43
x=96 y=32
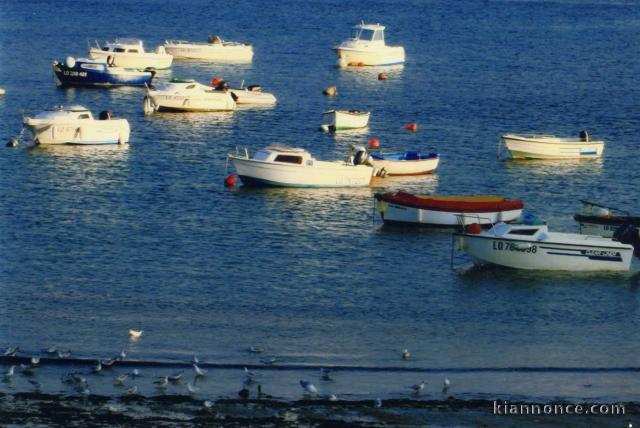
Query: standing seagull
x=446 y=384
x=308 y=387
x=406 y=354
x=418 y=387
x=135 y=334
x=377 y=403
x=199 y=371
x=325 y=374
x=98 y=367
x=9 y=373
x=162 y=382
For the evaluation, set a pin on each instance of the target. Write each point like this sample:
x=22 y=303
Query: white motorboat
x=252 y=95
x=406 y=163
x=179 y=95
x=215 y=49
x=339 y=120
x=601 y=220
x=446 y=211
x=130 y=53
x=535 y=247
x=76 y=125
x=537 y=146
x=366 y=46
x=282 y=166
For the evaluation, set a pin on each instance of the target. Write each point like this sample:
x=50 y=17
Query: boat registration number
x=510 y=246
x=602 y=253
x=75 y=73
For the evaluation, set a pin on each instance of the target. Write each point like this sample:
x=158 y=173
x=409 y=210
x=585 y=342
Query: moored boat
x=406 y=163
x=215 y=49
x=130 y=53
x=76 y=125
x=339 y=120
x=90 y=72
x=601 y=220
x=366 y=47
x=446 y=211
x=538 y=146
x=182 y=95
x=282 y=166
x=534 y=247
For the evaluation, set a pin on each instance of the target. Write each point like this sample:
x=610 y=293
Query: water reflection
x=112 y=152
x=558 y=167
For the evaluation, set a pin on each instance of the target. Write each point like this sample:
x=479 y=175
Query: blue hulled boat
x=91 y=72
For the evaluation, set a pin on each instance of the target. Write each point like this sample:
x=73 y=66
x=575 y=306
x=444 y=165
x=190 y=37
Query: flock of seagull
x=126 y=381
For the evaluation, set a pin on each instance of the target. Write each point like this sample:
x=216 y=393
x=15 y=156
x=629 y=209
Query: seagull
x=132 y=390
x=418 y=387
x=269 y=361
x=162 y=382
x=406 y=354
x=135 y=373
x=176 y=376
x=108 y=363
x=325 y=374
x=51 y=349
x=308 y=387
x=35 y=361
x=377 y=403
x=331 y=397
x=446 y=384
x=11 y=352
x=199 y=371
x=98 y=367
x=63 y=354
x=123 y=354
x=255 y=350
x=208 y=404
x=192 y=388
x=9 y=373
x=36 y=385
x=135 y=334
x=249 y=376
x=195 y=360
x=120 y=379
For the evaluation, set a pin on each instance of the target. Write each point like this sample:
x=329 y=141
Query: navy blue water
x=95 y=241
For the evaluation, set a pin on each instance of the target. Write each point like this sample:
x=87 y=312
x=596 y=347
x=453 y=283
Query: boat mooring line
x=47 y=361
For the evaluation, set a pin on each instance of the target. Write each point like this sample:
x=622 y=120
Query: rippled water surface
x=95 y=241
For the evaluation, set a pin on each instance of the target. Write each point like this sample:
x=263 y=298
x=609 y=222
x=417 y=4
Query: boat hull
x=549 y=148
x=342 y=120
x=543 y=255
x=407 y=167
x=247 y=97
x=210 y=52
x=66 y=76
x=114 y=131
x=379 y=56
x=213 y=101
x=320 y=174
x=139 y=61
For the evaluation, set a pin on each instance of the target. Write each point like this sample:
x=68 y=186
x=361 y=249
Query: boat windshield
x=366 y=34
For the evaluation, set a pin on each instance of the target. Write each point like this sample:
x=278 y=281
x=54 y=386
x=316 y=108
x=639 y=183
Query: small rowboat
x=339 y=120
x=533 y=146
x=597 y=219
x=446 y=211
x=407 y=163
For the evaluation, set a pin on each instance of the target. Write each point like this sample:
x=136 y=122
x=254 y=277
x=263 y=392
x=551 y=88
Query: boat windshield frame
x=367 y=34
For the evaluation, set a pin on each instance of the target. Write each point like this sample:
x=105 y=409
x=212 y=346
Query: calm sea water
x=95 y=241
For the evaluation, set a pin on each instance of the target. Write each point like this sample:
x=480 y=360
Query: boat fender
x=473 y=228
x=413 y=127
x=105 y=115
x=70 y=62
x=584 y=136
x=331 y=91
x=230 y=181
x=628 y=234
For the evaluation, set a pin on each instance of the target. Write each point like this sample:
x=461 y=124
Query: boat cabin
x=368 y=33
x=133 y=46
x=74 y=112
x=284 y=154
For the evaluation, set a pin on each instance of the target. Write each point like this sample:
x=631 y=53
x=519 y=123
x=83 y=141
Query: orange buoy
x=216 y=81
x=411 y=127
x=360 y=64
x=230 y=181
x=374 y=143
x=382 y=76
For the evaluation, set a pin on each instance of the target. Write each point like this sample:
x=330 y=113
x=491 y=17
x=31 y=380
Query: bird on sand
x=308 y=387
x=198 y=371
x=162 y=382
x=132 y=390
x=418 y=387
x=98 y=367
x=446 y=384
x=176 y=376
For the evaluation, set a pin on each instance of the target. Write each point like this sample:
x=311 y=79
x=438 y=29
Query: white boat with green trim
x=535 y=247
x=283 y=166
x=538 y=146
x=340 y=120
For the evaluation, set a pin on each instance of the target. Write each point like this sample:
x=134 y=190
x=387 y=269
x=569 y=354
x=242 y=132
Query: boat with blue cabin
x=406 y=163
x=98 y=72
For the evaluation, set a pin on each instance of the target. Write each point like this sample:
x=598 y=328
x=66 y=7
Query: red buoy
x=360 y=64
x=230 y=181
x=374 y=143
x=411 y=127
x=216 y=81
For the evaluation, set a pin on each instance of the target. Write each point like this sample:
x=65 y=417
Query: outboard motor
x=628 y=234
x=584 y=136
x=361 y=156
x=151 y=70
x=104 y=115
x=214 y=40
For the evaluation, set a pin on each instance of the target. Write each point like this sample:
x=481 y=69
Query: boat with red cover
x=446 y=211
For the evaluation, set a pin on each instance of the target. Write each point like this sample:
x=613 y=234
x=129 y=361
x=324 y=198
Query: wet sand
x=179 y=410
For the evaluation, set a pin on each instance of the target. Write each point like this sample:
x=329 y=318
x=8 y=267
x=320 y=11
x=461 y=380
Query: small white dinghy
x=76 y=125
x=535 y=247
x=282 y=166
x=340 y=120
x=405 y=163
x=130 y=53
x=215 y=49
x=535 y=146
x=183 y=95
